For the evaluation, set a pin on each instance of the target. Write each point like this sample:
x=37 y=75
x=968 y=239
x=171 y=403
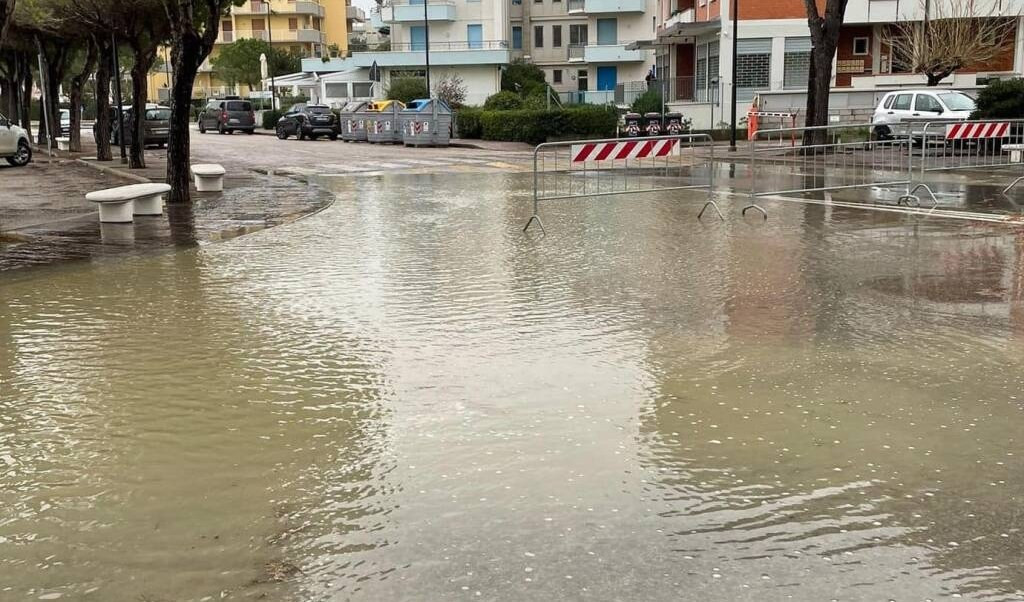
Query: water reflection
x=404 y=398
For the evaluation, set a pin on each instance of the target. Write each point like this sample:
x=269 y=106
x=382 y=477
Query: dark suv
x=309 y=121
x=227 y=116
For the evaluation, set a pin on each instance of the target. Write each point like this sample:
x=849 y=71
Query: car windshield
x=158 y=114
x=957 y=101
x=318 y=110
x=239 y=106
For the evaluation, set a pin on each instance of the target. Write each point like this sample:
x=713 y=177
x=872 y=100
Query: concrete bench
x=1014 y=150
x=209 y=177
x=63 y=143
x=118 y=205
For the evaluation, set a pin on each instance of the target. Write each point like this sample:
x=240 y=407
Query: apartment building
x=311 y=28
x=580 y=44
x=693 y=45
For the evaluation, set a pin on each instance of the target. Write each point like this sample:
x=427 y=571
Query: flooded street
x=405 y=398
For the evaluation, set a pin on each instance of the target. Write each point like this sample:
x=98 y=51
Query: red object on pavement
x=616 y=151
x=965 y=131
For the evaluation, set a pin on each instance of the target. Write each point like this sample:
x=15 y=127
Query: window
x=888 y=101
x=860 y=46
x=293 y=24
x=417 y=37
x=517 y=38
x=556 y=76
x=363 y=89
x=753 y=62
x=517 y=1
x=957 y=101
x=556 y=36
x=902 y=102
x=577 y=35
x=538 y=36
x=796 y=63
x=259 y=25
x=239 y=106
x=475 y=36
x=337 y=90
x=607 y=32
x=928 y=103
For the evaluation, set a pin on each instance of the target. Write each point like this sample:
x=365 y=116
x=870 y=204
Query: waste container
x=674 y=123
x=426 y=122
x=382 y=124
x=652 y=124
x=353 y=117
x=632 y=128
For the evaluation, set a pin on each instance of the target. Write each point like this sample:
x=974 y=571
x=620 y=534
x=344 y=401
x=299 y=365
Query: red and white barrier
x=972 y=131
x=618 y=151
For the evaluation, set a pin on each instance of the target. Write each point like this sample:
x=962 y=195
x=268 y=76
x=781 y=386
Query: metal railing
x=466 y=45
x=574 y=5
x=844 y=157
x=615 y=166
x=575 y=52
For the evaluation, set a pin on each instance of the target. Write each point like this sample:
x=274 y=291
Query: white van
x=919 y=105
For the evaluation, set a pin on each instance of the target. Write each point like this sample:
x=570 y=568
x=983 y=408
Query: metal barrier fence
x=592 y=168
x=845 y=157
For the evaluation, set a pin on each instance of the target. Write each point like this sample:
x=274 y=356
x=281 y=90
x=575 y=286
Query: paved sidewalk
x=45 y=219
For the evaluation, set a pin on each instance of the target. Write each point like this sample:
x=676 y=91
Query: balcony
x=607 y=53
x=308 y=36
x=491 y=52
x=354 y=13
x=408 y=12
x=595 y=7
x=296 y=7
x=683 y=16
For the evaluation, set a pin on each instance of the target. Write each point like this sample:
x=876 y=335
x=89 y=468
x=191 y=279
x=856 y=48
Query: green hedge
x=1001 y=100
x=537 y=126
x=270 y=119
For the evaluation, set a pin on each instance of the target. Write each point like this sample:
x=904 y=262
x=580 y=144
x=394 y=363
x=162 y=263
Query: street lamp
x=732 y=109
x=426 y=44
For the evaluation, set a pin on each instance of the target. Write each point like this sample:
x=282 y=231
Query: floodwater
x=405 y=398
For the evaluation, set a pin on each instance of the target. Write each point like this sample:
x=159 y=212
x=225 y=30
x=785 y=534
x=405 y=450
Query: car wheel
x=333 y=136
x=249 y=132
x=282 y=134
x=882 y=132
x=22 y=156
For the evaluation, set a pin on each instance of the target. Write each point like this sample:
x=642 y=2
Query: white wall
x=481 y=81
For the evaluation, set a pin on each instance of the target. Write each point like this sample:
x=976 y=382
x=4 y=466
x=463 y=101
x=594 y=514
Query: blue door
x=607 y=77
x=607 y=32
x=418 y=37
x=475 y=36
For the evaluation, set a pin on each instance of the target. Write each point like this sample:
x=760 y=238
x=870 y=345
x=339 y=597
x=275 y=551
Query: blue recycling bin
x=426 y=122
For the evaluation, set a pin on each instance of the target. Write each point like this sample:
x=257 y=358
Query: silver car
x=919 y=105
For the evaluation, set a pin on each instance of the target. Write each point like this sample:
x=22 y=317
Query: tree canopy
x=239 y=62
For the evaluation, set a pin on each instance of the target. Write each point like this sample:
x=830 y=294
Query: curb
x=114 y=171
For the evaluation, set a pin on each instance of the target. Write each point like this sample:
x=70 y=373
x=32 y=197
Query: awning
x=678 y=33
x=351 y=75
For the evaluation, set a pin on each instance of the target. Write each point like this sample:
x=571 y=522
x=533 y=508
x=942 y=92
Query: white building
x=580 y=44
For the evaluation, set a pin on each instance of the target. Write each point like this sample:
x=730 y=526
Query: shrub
x=407 y=89
x=270 y=119
x=452 y=90
x=522 y=77
x=1002 y=99
x=503 y=101
x=467 y=122
x=537 y=126
x=648 y=102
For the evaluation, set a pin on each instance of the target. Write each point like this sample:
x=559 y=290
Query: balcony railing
x=575 y=6
x=292 y=7
x=404 y=11
x=420 y=47
x=575 y=52
x=313 y=36
x=674 y=89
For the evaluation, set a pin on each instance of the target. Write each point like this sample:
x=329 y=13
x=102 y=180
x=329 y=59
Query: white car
x=919 y=105
x=14 y=143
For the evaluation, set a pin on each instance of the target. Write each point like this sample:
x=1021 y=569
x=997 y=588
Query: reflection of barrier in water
x=591 y=168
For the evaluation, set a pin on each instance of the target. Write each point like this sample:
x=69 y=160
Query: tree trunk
x=140 y=69
x=25 y=105
x=77 y=84
x=186 y=58
x=102 y=128
x=818 y=87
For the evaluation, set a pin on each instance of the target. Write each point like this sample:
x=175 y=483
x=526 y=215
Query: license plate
x=232 y=121
x=159 y=131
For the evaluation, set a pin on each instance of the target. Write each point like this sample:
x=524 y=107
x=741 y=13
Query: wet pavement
x=403 y=397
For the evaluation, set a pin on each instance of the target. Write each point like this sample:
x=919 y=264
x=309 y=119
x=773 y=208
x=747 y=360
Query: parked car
x=919 y=105
x=309 y=121
x=65 y=122
x=156 y=124
x=227 y=115
x=14 y=143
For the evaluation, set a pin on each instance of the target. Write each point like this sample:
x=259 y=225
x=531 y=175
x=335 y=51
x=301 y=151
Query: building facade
x=310 y=28
x=581 y=45
x=694 y=56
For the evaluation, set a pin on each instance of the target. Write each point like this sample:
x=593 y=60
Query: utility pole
x=270 y=59
x=120 y=103
x=426 y=45
x=735 y=47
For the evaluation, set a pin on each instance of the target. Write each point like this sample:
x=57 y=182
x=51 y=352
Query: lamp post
x=735 y=46
x=270 y=59
x=426 y=45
